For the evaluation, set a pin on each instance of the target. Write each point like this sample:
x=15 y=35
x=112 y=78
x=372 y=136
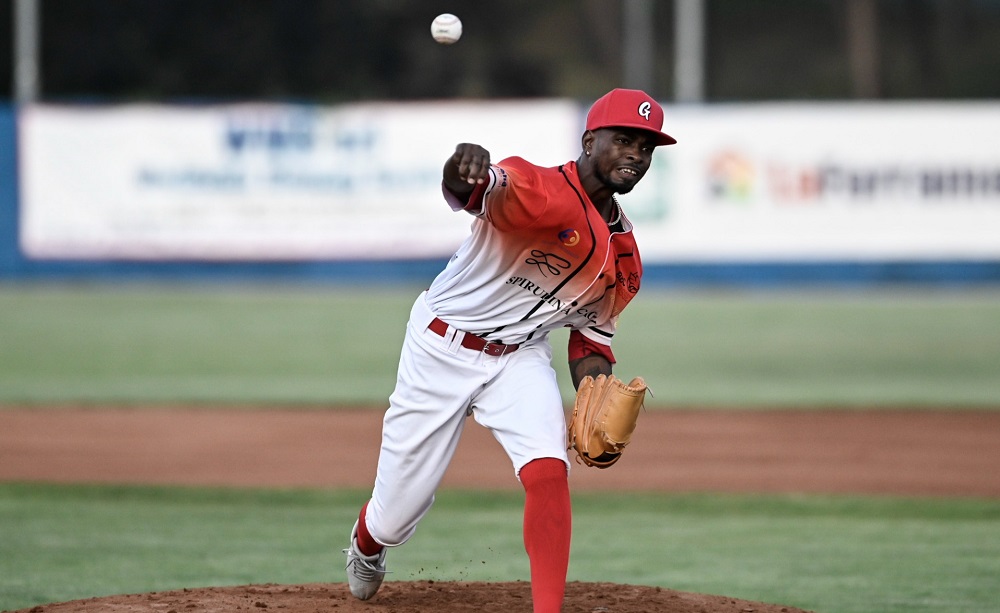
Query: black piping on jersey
x=597 y=330
x=569 y=277
x=619 y=256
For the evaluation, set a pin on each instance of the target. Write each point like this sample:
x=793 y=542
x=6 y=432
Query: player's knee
x=543 y=471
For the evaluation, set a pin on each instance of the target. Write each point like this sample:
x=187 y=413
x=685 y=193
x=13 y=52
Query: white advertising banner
x=263 y=182
x=802 y=182
x=762 y=182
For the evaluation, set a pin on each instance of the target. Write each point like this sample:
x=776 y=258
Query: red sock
x=548 y=526
x=366 y=544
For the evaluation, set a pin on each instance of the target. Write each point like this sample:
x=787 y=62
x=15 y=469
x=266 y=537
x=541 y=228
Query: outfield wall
x=767 y=194
x=9 y=256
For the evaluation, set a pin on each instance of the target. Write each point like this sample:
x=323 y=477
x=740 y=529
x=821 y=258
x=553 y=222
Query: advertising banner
x=745 y=183
x=801 y=182
x=262 y=182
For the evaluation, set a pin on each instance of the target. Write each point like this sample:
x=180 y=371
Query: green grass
x=333 y=345
x=876 y=348
x=828 y=554
x=198 y=344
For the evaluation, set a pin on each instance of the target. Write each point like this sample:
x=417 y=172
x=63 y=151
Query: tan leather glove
x=604 y=417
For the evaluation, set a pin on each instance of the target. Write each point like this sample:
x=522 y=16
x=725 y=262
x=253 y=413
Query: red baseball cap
x=629 y=108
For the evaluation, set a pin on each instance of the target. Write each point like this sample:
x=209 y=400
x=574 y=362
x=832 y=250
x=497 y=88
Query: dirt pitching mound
x=414 y=597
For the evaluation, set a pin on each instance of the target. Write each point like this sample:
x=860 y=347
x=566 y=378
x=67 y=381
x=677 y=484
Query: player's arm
x=468 y=167
x=593 y=364
x=589 y=352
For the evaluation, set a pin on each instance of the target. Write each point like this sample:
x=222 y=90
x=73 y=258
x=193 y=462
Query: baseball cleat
x=364 y=573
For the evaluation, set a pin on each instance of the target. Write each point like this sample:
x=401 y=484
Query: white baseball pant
x=439 y=383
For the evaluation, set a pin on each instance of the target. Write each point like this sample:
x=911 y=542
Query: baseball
x=446 y=28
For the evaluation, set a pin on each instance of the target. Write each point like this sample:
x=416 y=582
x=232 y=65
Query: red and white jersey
x=539 y=257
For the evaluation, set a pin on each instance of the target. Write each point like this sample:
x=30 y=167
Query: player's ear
x=587 y=142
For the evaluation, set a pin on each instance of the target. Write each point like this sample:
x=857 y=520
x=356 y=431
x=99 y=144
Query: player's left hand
x=604 y=417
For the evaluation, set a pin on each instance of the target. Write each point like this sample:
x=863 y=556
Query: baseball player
x=549 y=248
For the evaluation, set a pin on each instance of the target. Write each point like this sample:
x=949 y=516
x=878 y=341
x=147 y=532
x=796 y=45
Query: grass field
x=317 y=345
x=327 y=346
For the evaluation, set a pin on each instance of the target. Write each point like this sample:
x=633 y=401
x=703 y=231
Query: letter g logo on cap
x=644 y=110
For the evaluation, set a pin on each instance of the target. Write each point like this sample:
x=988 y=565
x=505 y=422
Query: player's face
x=622 y=157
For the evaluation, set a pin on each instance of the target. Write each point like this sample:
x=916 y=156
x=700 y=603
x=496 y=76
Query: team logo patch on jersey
x=548 y=262
x=569 y=237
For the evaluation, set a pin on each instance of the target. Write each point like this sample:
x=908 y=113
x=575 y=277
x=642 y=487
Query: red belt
x=471 y=341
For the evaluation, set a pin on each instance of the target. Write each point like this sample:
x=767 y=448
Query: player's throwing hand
x=468 y=166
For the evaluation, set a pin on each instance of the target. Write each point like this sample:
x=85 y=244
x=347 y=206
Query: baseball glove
x=604 y=417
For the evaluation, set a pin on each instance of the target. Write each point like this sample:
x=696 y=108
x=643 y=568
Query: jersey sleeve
x=588 y=341
x=514 y=197
x=517 y=198
x=474 y=203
